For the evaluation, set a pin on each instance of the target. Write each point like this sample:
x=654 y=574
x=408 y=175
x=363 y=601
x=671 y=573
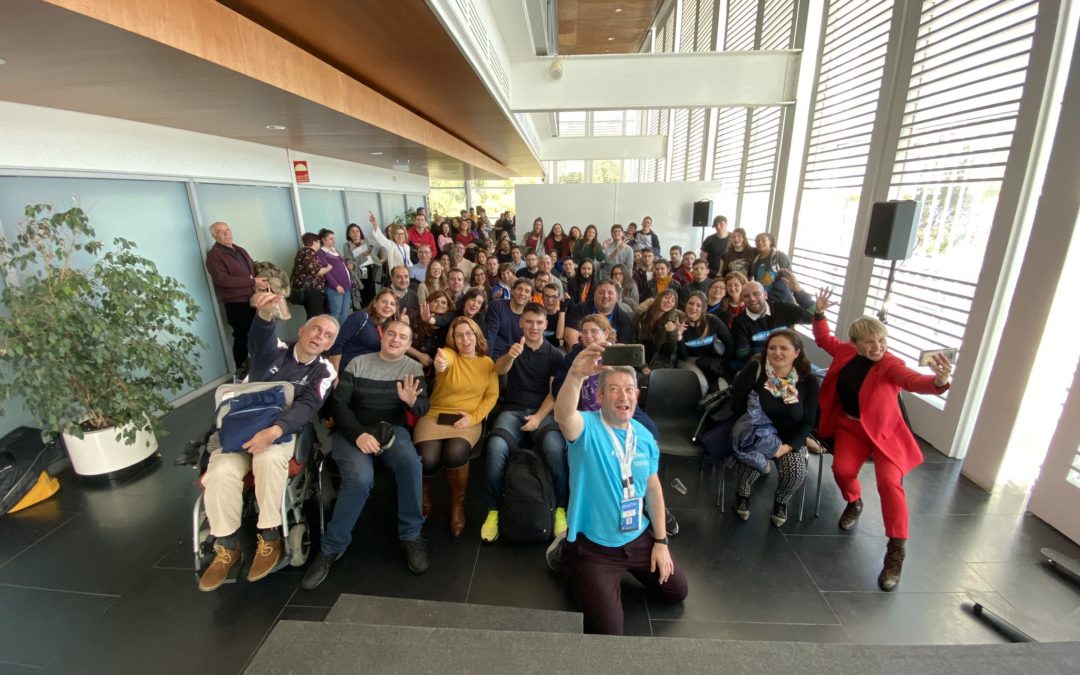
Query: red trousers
x=596 y=576
x=852 y=448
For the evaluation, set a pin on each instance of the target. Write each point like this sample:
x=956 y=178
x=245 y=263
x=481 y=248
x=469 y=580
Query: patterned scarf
x=782 y=388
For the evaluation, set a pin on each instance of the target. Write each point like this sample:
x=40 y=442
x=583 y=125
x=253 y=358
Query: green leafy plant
x=90 y=339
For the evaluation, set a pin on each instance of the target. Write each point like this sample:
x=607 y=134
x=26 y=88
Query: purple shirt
x=339 y=275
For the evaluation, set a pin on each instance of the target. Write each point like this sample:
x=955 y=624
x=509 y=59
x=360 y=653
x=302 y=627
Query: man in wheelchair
x=312 y=376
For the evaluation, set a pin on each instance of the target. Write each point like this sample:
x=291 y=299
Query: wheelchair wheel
x=299 y=544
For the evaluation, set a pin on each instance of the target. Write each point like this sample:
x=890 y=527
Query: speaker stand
x=883 y=313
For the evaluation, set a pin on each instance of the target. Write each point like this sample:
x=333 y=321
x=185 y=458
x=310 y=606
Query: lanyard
x=379 y=327
x=585 y=290
x=404 y=252
x=625 y=454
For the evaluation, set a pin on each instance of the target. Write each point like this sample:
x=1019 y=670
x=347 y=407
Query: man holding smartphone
x=370 y=402
x=615 y=520
x=530 y=366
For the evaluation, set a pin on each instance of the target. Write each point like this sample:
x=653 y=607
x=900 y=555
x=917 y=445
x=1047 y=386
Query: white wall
x=37 y=138
x=671 y=206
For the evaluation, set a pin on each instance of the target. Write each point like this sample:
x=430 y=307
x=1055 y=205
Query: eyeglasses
x=464 y=334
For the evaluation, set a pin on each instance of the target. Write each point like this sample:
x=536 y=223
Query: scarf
x=782 y=388
x=662 y=284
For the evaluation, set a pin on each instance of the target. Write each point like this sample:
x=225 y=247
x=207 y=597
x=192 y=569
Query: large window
x=846 y=102
x=967 y=78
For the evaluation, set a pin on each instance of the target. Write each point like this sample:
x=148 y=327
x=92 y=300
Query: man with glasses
x=556 y=318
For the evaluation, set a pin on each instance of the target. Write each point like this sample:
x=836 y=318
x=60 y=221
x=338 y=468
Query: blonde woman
x=466 y=389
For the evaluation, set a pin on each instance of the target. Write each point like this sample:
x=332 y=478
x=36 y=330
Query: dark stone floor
x=100 y=579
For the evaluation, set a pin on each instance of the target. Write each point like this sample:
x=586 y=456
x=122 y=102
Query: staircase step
x=371 y=609
x=311 y=647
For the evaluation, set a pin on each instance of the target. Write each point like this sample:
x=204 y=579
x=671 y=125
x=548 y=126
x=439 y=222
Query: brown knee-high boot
x=428 y=480
x=459 y=480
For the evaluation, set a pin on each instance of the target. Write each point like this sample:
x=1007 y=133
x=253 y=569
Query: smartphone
x=926 y=357
x=448 y=419
x=624 y=355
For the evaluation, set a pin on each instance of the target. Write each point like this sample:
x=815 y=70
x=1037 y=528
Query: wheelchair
x=302 y=485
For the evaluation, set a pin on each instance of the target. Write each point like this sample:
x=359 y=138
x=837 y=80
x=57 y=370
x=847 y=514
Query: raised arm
x=570 y=421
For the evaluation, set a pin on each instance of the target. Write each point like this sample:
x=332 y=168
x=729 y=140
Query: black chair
x=672 y=403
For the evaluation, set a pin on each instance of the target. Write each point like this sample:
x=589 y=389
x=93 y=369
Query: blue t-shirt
x=596 y=478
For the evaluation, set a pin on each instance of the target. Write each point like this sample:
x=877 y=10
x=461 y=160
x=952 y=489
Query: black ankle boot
x=889 y=578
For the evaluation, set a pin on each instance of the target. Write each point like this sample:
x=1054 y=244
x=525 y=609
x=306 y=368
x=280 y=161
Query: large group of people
x=425 y=344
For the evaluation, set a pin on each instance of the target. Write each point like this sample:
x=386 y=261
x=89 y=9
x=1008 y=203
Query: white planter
x=98 y=452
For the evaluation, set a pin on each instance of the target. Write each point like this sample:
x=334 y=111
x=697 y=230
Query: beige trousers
x=223 y=485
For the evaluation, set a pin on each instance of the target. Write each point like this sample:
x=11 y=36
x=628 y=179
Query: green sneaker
x=560 y=522
x=490 y=531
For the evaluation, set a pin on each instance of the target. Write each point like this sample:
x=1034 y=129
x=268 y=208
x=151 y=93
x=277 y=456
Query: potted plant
x=93 y=341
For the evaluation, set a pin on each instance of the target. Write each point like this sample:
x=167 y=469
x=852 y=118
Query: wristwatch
x=663 y=541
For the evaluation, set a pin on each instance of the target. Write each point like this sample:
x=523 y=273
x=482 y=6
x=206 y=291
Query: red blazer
x=878 y=408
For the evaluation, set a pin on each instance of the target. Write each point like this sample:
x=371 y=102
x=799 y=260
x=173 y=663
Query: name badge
x=630 y=515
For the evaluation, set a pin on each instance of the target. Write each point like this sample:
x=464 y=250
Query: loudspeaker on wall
x=703 y=213
x=893 y=226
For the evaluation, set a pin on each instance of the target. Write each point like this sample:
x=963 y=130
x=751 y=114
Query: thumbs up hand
x=516 y=348
x=441 y=362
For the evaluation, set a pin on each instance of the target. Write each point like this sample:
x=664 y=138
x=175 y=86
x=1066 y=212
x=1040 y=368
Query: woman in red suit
x=861 y=411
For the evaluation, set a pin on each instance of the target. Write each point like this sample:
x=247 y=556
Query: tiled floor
x=99 y=579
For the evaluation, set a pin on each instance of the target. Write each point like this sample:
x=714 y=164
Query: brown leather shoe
x=459 y=481
x=889 y=578
x=851 y=514
x=218 y=571
x=267 y=557
x=428 y=480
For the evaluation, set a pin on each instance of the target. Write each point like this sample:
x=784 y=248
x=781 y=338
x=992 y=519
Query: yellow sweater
x=469 y=385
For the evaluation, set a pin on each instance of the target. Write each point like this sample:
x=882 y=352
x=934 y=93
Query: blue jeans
x=340 y=304
x=553 y=451
x=357 y=477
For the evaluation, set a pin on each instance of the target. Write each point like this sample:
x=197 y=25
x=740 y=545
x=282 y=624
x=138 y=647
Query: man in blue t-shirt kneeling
x=615 y=496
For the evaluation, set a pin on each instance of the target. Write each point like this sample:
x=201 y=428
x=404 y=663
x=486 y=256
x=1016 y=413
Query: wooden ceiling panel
x=399 y=49
x=94 y=67
x=596 y=27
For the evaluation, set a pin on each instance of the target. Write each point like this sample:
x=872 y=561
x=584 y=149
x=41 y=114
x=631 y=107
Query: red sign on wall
x=301 y=170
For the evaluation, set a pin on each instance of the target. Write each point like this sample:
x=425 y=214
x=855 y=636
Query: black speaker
x=893 y=226
x=703 y=213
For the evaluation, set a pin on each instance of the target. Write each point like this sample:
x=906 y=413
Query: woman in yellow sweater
x=466 y=389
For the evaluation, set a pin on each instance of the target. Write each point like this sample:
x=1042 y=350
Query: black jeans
x=239 y=316
x=314 y=302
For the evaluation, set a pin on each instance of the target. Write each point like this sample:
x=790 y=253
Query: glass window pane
x=262 y=222
x=393 y=207
x=323 y=209
x=358 y=204
x=155 y=215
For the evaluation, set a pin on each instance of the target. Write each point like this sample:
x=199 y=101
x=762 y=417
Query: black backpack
x=23 y=457
x=528 y=507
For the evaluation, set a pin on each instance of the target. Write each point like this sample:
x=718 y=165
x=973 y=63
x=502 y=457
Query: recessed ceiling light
x=2 y=62
x=376 y=153
x=611 y=39
x=275 y=127
x=618 y=10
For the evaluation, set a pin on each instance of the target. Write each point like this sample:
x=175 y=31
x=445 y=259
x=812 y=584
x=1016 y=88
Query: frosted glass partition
x=261 y=218
x=414 y=201
x=155 y=215
x=358 y=205
x=393 y=206
x=323 y=209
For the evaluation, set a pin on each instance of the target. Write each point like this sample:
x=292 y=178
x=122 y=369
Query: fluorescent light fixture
x=376 y=153
x=276 y=127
